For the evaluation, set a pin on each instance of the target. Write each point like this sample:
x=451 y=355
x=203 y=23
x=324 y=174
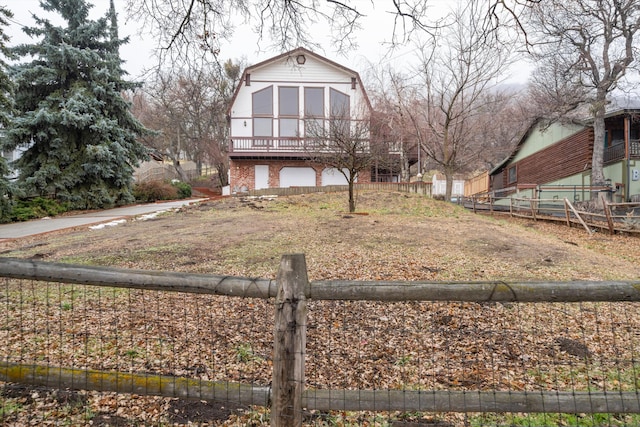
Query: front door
x=262 y=176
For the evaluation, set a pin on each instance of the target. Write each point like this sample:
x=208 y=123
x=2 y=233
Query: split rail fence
x=471 y=353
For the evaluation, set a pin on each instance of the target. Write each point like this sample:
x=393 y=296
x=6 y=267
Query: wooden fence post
x=289 y=341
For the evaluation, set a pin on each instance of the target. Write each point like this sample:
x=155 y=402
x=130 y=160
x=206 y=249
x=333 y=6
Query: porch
x=616 y=151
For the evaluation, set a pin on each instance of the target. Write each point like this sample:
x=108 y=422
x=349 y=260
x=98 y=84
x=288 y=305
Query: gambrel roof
x=291 y=56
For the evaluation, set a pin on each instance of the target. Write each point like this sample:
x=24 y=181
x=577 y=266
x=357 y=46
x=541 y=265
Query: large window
x=288 y=111
x=262 y=109
x=339 y=104
x=314 y=102
x=262 y=104
x=339 y=113
x=288 y=101
x=314 y=112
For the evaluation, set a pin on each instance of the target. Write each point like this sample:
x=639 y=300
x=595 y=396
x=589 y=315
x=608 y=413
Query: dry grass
x=351 y=345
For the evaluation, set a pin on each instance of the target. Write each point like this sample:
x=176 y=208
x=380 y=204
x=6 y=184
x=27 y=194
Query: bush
x=151 y=191
x=184 y=189
x=39 y=207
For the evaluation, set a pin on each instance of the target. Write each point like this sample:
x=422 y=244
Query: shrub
x=151 y=191
x=38 y=207
x=184 y=189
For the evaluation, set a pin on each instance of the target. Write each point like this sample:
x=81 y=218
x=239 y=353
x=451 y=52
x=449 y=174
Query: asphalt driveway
x=17 y=230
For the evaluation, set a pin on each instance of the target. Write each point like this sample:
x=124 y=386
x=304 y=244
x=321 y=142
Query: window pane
x=289 y=127
x=288 y=101
x=262 y=127
x=314 y=128
x=263 y=102
x=339 y=104
x=314 y=101
x=340 y=129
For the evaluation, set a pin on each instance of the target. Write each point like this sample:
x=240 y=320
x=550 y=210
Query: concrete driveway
x=17 y=230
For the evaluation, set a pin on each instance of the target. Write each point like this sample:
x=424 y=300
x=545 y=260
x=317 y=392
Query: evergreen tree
x=78 y=129
x=6 y=111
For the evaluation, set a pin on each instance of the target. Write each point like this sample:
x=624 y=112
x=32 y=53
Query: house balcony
x=616 y=151
x=284 y=147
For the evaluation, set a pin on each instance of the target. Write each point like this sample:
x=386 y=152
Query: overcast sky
x=138 y=54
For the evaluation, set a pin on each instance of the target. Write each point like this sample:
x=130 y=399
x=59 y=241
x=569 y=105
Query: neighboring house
x=560 y=155
x=273 y=110
x=439 y=186
x=12 y=156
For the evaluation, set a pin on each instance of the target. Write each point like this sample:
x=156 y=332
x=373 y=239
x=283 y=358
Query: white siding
x=314 y=73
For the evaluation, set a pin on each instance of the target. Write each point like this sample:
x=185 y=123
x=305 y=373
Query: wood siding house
x=559 y=155
x=272 y=111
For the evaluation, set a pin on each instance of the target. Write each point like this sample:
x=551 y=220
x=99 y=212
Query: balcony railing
x=277 y=145
x=616 y=152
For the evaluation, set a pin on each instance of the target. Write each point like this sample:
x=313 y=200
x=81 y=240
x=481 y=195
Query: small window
x=513 y=174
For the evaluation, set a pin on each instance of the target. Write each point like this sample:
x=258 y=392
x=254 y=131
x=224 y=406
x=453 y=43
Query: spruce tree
x=79 y=131
x=6 y=111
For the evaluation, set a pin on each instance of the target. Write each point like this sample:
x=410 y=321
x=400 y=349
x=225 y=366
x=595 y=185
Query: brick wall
x=242 y=172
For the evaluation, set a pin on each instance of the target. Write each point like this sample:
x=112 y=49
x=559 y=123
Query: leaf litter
x=415 y=345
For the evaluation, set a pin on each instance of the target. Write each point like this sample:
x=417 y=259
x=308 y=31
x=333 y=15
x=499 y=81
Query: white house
x=273 y=110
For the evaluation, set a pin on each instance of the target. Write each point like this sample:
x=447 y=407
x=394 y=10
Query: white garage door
x=297 y=177
x=332 y=176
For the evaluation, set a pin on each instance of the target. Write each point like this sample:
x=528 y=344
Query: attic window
x=353 y=82
x=301 y=59
x=247 y=80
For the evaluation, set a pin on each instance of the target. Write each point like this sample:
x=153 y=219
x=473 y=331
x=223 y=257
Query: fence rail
x=418 y=187
x=476 y=347
x=611 y=217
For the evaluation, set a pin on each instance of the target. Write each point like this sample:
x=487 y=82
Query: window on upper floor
x=314 y=102
x=262 y=102
x=288 y=101
x=288 y=111
x=340 y=112
x=262 y=109
x=339 y=103
x=314 y=111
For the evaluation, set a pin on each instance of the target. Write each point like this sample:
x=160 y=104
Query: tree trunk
x=183 y=176
x=352 y=199
x=223 y=174
x=597 y=160
x=405 y=173
x=449 y=186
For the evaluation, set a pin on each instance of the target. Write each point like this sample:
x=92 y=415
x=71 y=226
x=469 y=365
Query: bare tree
x=185 y=27
x=457 y=77
x=189 y=111
x=392 y=94
x=343 y=145
x=585 y=48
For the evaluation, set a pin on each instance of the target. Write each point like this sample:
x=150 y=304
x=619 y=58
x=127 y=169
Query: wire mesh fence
x=366 y=362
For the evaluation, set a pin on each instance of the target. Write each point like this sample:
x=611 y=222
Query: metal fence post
x=289 y=341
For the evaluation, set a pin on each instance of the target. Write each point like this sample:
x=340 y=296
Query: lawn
x=393 y=236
